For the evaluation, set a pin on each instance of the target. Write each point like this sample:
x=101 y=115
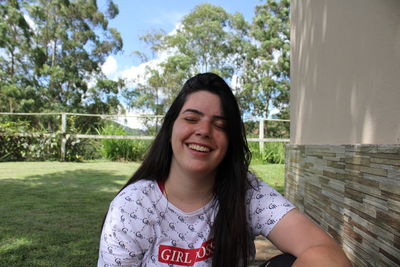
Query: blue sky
x=138 y=17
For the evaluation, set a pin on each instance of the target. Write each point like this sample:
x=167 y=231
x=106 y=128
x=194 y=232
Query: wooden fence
x=64 y=135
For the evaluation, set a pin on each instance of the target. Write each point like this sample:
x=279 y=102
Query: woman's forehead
x=204 y=102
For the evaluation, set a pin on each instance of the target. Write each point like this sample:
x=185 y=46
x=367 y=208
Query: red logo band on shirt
x=185 y=257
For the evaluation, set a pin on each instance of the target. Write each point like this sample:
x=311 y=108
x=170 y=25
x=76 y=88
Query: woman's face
x=198 y=139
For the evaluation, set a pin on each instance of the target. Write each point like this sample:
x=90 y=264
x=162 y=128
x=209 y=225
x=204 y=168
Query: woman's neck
x=189 y=191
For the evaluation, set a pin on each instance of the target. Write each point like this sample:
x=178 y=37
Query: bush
x=82 y=149
x=120 y=149
x=40 y=147
x=19 y=148
x=256 y=155
x=274 y=152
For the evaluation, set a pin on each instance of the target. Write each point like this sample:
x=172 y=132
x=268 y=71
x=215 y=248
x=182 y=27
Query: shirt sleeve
x=265 y=207
x=124 y=238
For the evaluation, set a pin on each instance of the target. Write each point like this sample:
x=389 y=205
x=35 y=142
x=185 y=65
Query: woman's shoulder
x=256 y=185
x=143 y=186
x=259 y=191
x=141 y=192
x=265 y=206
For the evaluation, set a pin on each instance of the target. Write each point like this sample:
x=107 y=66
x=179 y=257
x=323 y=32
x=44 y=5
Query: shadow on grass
x=54 y=219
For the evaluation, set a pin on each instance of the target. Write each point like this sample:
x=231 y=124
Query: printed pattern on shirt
x=143 y=229
x=265 y=207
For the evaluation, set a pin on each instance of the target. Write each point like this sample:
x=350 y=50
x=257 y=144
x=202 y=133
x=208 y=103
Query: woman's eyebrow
x=193 y=111
x=202 y=114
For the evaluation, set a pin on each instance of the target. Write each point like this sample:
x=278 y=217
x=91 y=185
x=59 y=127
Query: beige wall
x=345 y=72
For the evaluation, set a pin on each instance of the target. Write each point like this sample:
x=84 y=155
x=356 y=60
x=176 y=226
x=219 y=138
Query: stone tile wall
x=353 y=192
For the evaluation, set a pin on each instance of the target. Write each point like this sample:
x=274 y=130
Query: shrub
x=18 y=148
x=256 y=155
x=40 y=147
x=82 y=149
x=274 y=152
x=120 y=149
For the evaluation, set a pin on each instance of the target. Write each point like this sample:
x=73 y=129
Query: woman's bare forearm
x=323 y=255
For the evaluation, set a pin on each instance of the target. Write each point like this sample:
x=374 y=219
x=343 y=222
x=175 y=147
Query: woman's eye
x=190 y=119
x=220 y=125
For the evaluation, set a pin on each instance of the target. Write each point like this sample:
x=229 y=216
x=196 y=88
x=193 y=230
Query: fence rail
x=64 y=135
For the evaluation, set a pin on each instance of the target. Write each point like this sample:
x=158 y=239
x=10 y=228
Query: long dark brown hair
x=230 y=228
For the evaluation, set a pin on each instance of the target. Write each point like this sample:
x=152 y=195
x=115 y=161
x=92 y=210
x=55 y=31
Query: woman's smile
x=199 y=148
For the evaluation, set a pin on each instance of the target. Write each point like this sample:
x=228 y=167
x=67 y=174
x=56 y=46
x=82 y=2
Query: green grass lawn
x=272 y=174
x=51 y=212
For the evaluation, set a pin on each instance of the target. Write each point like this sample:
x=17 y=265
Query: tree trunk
x=10 y=103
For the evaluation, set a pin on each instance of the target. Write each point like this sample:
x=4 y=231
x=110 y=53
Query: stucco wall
x=345 y=72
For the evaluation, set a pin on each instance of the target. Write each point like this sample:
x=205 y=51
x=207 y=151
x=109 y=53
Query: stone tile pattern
x=353 y=192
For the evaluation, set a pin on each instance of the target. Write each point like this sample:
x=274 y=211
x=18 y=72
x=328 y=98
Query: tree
x=205 y=38
x=72 y=49
x=208 y=39
x=267 y=71
x=61 y=60
x=16 y=81
x=151 y=91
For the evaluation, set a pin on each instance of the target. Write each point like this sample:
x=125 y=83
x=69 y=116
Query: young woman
x=193 y=201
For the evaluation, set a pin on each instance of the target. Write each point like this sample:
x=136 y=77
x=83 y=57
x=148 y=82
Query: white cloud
x=272 y=112
x=134 y=75
x=137 y=74
x=110 y=66
x=30 y=22
x=235 y=83
x=276 y=54
x=4 y=54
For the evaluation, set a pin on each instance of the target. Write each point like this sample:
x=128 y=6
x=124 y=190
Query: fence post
x=261 y=135
x=63 y=135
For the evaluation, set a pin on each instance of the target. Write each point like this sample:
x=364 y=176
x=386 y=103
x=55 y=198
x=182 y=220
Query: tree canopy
x=51 y=54
x=253 y=57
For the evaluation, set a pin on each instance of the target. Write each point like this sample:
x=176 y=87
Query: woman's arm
x=299 y=236
x=127 y=229
x=118 y=243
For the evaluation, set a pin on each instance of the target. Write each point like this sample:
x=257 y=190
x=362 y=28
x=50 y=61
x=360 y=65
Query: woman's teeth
x=199 y=148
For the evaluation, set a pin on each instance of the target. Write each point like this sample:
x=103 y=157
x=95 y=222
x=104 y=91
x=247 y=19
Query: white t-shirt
x=143 y=229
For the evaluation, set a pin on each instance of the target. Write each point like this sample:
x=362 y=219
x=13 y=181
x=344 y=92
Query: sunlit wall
x=345 y=72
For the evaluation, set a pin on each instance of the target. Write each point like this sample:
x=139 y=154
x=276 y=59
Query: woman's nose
x=203 y=129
